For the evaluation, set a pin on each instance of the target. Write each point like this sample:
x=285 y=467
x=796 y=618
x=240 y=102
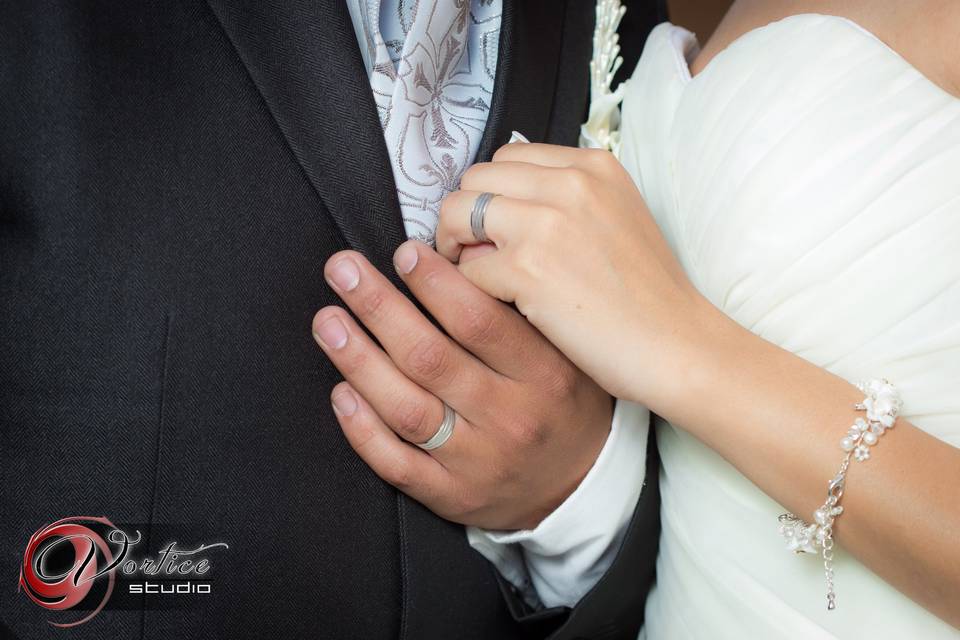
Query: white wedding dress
x=809 y=182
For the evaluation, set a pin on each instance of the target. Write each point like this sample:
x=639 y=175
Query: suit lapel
x=527 y=65
x=305 y=61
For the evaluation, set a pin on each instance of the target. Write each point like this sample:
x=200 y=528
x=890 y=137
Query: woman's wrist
x=698 y=358
x=716 y=364
x=735 y=386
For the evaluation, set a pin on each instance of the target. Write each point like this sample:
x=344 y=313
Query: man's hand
x=529 y=423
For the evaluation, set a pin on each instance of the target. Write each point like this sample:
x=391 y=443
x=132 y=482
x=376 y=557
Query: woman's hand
x=579 y=253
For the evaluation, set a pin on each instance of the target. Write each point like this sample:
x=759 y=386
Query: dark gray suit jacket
x=173 y=175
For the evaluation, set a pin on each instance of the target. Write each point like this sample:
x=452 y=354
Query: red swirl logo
x=58 y=584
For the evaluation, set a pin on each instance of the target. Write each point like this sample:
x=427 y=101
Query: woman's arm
x=779 y=420
x=580 y=255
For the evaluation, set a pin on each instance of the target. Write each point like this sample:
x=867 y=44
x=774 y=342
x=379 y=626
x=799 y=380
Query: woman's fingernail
x=332 y=333
x=344 y=403
x=405 y=258
x=345 y=275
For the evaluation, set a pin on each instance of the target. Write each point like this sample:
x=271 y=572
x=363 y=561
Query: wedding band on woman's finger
x=478 y=213
x=444 y=431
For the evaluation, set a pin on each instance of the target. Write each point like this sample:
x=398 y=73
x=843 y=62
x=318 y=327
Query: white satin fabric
x=809 y=182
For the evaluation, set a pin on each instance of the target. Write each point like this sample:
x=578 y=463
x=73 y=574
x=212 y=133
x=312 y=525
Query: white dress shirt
x=432 y=67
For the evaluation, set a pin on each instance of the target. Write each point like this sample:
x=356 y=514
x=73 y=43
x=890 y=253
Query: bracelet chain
x=882 y=406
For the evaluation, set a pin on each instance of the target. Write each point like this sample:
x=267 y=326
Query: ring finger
x=408 y=409
x=503 y=219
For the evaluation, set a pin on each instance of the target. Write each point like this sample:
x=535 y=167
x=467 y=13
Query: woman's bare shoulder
x=924 y=32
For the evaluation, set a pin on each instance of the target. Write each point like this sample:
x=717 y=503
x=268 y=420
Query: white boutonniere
x=602 y=128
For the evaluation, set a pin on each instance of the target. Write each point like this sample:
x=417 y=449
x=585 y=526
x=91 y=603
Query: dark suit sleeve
x=614 y=607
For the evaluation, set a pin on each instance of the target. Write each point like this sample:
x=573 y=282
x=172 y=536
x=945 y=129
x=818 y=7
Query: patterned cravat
x=431 y=65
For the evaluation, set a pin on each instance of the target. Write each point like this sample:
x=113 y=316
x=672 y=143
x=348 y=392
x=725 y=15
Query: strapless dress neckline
x=807 y=180
x=684 y=58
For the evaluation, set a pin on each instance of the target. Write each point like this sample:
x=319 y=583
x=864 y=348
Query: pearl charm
x=881 y=405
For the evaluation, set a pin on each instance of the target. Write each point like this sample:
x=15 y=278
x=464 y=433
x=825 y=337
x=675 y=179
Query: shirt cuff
x=560 y=560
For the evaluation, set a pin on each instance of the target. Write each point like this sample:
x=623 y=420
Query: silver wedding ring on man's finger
x=478 y=213
x=444 y=431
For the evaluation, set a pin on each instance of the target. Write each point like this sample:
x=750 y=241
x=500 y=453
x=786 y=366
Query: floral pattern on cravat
x=432 y=65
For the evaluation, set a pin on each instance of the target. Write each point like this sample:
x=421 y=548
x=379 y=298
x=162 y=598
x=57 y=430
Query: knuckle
x=469 y=177
x=579 y=183
x=372 y=305
x=468 y=504
x=599 y=158
x=399 y=474
x=431 y=280
x=505 y=475
x=561 y=381
x=364 y=435
x=530 y=432
x=548 y=221
x=502 y=153
x=526 y=261
x=353 y=360
x=429 y=360
x=410 y=420
x=447 y=206
x=480 y=326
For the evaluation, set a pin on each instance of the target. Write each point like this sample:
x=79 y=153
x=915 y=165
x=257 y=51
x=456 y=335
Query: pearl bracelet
x=882 y=404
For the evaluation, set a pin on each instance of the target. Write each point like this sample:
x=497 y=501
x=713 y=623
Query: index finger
x=418 y=348
x=489 y=329
x=549 y=155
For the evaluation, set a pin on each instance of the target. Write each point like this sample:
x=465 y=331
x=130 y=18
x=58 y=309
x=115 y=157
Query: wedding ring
x=478 y=213
x=443 y=432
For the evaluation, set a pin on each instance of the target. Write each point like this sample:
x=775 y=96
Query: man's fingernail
x=345 y=275
x=332 y=333
x=405 y=258
x=344 y=403
x=516 y=136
